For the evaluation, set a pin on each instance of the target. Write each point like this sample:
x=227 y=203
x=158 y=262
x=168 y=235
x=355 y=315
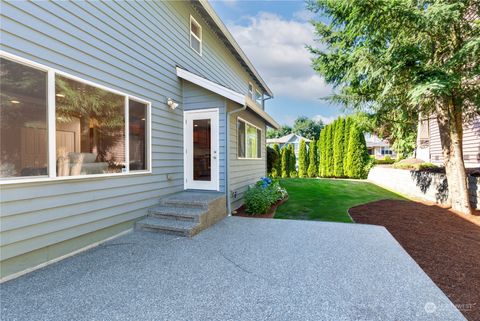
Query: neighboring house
x=429 y=146
x=293 y=139
x=379 y=148
x=106 y=107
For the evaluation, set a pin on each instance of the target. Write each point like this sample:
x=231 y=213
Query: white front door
x=201 y=149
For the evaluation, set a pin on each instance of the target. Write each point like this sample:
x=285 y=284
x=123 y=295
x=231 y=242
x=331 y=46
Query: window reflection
x=137 y=115
x=23 y=120
x=90 y=129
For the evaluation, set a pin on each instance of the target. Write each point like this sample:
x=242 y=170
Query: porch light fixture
x=173 y=105
x=14 y=101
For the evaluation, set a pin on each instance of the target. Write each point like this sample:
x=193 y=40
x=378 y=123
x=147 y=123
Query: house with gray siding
x=108 y=107
x=429 y=145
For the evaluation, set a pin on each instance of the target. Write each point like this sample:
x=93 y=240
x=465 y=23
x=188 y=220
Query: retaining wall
x=422 y=185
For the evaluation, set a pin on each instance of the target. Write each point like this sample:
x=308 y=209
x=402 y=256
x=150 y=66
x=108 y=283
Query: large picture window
x=23 y=120
x=94 y=130
x=249 y=140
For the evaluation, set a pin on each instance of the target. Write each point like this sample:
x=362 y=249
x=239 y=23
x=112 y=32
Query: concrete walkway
x=239 y=269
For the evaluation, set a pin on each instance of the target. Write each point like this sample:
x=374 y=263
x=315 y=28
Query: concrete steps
x=185 y=213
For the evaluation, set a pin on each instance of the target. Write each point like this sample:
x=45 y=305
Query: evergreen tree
x=406 y=57
x=302 y=159
x=312 y=164
x=346 y=141
x=277 y=166
x=322 y=152
x=293 y=161
x=338 y=148
x=319 y=154
x=285 y=162
x=329 y=151
x=357 y=158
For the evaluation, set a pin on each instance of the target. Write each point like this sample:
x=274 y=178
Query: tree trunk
x=450 y=123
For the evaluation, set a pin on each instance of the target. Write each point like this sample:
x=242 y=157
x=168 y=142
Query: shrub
x=329 y=151
x=263 y=195
x=256 y=201
x=425 y=166
x=313 y=162
x=302 y=159
x=272 y=159
x=386 y=160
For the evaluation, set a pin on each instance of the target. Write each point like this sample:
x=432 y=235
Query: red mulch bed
x=270 y=213
x=444 y=244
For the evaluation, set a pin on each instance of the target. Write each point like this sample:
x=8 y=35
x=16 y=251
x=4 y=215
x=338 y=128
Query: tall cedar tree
x=319 y=154
x=420 y=56
x=348 y=125
x=292 y=161
x=357 y=157
x=277 y=167
x=330 y=160
x=338 y=148
x=285 y=162
x=312 y=163
x=302 y=159
x=324 y=159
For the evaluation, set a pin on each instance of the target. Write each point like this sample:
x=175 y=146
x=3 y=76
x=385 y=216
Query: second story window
x=195 y=35
x=250 y=91
x=258 y=97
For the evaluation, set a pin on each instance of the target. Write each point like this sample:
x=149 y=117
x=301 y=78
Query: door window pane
x=23 y=120
x=241 y=139
x=202 y=150
x=137 y=115
x=90 y=129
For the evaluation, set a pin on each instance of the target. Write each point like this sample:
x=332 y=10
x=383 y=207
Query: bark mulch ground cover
x=444 y=244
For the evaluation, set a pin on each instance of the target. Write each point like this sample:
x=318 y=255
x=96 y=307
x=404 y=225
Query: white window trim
x=251 y=94
x=52 y=161
x=192 y=19
x=250 y=124
x=260 y=95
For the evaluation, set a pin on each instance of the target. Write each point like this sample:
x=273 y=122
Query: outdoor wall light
x=171 y=104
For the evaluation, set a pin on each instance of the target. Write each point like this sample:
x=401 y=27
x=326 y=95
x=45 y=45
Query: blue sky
x=273 y=34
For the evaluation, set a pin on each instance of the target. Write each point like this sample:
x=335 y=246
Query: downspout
x=227 y=158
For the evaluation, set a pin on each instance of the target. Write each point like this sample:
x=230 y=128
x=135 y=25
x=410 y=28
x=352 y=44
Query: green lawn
x=327 y=199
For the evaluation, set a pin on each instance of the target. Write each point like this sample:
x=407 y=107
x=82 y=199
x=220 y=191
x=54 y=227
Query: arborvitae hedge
x=346 y=140
x=302 y=159
x=329 y=147
x=319 y=154
x=285 y=163
x=357 y=158
x=324 y=160
x=313 y=161
x=277 y=166
x=338 y=148
x=293 y=161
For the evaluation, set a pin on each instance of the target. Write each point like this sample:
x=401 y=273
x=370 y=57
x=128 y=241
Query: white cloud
x=325 y=119
x=276 y=47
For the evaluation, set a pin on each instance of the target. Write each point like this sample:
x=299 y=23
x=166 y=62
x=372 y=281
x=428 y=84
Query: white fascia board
x=210 y=85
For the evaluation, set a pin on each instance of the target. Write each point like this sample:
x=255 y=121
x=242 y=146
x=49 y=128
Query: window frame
x=192 y=19
x=251 y=91
x=260 y=97
x=51 y=127
x=246 y=122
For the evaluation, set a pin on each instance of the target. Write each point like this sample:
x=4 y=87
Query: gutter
x=227 y=158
